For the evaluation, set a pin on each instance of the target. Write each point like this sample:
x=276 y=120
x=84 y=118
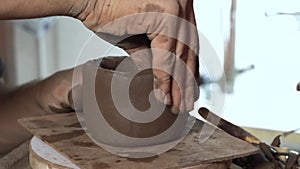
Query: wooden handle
x=298 y=86
x=228 y=127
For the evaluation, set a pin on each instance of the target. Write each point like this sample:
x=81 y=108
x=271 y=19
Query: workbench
x=61 y=143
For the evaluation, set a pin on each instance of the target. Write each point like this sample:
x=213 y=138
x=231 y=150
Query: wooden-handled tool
x=228 y=127
x=298 y=86
x=269 y=156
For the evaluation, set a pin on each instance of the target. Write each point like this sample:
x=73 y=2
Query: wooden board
x=64 y=133
x=42 y=156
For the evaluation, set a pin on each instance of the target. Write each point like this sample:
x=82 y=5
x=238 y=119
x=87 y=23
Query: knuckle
x=170 y=7
x=162 y=80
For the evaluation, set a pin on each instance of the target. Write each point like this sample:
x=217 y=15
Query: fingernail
x=75 y=98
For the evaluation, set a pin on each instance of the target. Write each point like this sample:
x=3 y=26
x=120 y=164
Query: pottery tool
x=271 y=156
x=228 y=127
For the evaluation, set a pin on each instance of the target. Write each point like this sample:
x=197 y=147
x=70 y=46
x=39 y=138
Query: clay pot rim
x=127 y=74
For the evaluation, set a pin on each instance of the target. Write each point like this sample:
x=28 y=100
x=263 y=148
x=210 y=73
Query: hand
x=56 y=92
x=52 y=95
x=168 y=27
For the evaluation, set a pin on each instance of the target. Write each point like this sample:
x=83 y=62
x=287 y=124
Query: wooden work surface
x=64 y=133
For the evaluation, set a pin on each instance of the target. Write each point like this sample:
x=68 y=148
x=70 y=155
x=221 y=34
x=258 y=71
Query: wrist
x=23 y=99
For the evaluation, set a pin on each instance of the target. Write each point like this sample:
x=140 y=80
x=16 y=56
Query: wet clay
x=140 y=87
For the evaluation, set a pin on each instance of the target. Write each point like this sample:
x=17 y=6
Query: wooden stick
x=228 y=127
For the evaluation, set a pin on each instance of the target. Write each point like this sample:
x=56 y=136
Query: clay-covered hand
x=168 y=27
x=56 y=93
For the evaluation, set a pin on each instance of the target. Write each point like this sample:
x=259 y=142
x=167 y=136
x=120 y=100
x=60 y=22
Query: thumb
x=75 y=98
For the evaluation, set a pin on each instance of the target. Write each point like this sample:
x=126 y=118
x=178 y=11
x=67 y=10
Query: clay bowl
x=120 y=109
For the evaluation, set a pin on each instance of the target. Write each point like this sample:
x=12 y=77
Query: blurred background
x=267 y=36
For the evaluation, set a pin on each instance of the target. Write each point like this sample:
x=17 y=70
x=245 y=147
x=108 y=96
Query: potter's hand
x=56 y=93
x=168 y=26
x=51 y=95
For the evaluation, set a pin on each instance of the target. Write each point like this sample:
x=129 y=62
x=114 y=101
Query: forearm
x=24 y=98
x=51 y=95
x=15 y=104
x=22 y=9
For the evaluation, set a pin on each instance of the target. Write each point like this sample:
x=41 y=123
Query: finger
x=190 y=16
x=162 y=86
x=163 y=62
x=192 y=60
x=193 y=77
x=185 y=92
x=193 y=56
x=75 y=94
x=191 y=86
x=187 y=73
x=178 y=87
x=178 y=83
x=176 y=98
x=75 y=98
x=192 y=80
